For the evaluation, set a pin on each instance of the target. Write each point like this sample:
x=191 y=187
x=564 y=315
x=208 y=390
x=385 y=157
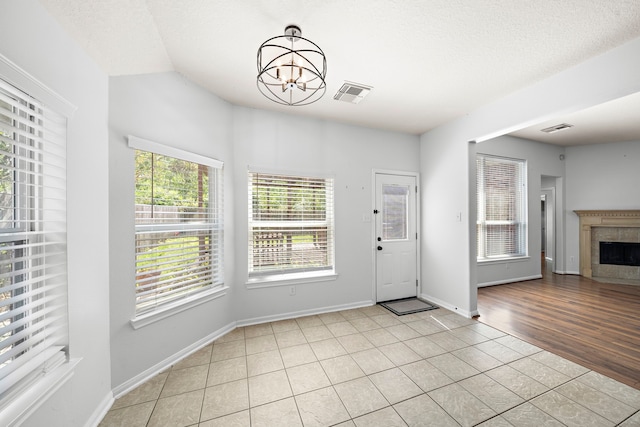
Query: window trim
x=174 y=307
x=524 y=221
x=36 y=393
x=212 y=291
x=299 y=276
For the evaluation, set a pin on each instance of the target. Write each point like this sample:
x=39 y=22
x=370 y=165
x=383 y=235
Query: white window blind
x=290 y=224
x=502 y=213
x=179 y=227
x=33 y=273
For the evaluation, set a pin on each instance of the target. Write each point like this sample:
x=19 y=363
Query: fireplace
x=610 y=244
x=620 y=253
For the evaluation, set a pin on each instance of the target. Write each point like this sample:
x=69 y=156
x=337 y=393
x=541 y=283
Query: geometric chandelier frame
x=291 y=69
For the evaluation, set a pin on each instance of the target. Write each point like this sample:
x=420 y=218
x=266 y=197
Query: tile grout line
x=468 y=345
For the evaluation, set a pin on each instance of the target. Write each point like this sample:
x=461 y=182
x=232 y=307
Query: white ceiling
x=429 y=61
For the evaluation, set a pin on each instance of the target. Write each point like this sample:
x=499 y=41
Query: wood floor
x=594 y=324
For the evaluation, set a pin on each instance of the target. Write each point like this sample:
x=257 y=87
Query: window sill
x=503 y=260
x=177 y=307
x=27 y=402
x=290 y=279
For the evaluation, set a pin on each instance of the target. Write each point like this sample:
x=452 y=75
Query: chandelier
x=291 y=69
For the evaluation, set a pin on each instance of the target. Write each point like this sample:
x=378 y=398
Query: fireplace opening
x=620 y=253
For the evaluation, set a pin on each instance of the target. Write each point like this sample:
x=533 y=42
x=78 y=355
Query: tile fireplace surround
x=594 y=223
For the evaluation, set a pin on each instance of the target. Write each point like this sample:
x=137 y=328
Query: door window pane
x=395 y=208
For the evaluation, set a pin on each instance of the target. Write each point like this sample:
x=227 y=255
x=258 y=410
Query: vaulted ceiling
x=429 y=61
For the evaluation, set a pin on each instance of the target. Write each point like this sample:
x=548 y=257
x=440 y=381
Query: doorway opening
x=548 y=226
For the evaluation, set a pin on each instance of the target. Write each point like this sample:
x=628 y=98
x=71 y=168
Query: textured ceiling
x=429 y=61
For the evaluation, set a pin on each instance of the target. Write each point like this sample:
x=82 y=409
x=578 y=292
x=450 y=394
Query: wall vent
x=556 y=128
x=352 y=93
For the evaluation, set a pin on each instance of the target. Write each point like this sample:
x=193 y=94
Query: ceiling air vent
x=556 y=128
x=352 y=92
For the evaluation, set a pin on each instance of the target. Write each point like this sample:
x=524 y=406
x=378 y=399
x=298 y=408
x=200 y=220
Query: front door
x=396 y=237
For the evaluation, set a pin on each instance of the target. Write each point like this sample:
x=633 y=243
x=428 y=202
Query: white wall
x=445 y=163
x=602 y=176
x=34 y=41
x=168 y=109
x=445 y=246
x=160 y=107
x=289 y=143
x=542 y=159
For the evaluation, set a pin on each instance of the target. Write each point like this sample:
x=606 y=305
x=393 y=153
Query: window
x=395 y=212
x=33 y=272
x=502 y=213
x=290 y=224
x=178 y=231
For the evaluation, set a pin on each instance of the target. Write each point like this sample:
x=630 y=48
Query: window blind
x=179 y=229
x=502 y=214
x=33 y=273
x=290 y=224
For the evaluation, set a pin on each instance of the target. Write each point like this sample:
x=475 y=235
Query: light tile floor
x=368 y=367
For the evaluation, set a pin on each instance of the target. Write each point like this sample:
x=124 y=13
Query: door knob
x=379 y=248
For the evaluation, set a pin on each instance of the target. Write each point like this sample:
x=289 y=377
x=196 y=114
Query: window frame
x=216 y=288
x=520 y=221
x=290 y=276
x=39 y=230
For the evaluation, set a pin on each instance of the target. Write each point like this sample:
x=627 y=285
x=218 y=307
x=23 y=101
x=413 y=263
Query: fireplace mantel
x=601 y=218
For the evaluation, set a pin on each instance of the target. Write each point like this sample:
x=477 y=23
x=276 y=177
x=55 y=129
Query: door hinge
x=416 y=236
x=375 y=211
x=416 y=283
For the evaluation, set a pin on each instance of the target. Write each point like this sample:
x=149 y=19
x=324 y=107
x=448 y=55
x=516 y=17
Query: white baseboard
x=310 y=312
x=574 y=273
x=511 y=280
x=149 y=373
x=101 y=410
x=466 y=313
x=134 y=382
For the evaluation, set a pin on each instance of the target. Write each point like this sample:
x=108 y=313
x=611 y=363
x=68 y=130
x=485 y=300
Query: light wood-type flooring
x=594 y=324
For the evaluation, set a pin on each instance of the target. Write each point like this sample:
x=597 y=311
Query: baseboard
x=511 y=280
x=310 y=312
x=575 y=273
x=147 y=374
x=466 y=313
x=101 y=410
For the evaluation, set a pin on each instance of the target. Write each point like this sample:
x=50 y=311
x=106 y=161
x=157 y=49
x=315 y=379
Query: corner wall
x=445 y=167
x=290 y=144
x=168 y=109
x=602 y=176
x=32 y=39
x=542 y=159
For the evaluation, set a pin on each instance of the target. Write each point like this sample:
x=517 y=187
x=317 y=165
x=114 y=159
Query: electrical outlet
x=292 y=290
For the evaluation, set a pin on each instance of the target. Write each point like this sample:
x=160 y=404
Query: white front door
x=396 y=237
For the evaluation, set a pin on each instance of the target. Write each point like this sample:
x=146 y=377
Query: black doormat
x=400 y=307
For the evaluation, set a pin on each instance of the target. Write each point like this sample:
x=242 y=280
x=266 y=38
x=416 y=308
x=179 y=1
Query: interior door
x=396 y=237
